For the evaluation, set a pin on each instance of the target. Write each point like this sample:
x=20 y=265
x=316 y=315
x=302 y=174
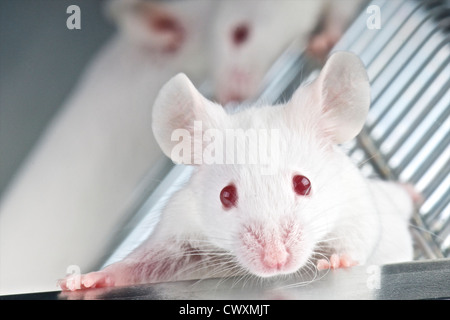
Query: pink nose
x=275 y=257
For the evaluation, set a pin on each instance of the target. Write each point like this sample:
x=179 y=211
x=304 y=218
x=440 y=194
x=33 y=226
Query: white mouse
x=94 y=163
x=248 y=36
x=312 y=209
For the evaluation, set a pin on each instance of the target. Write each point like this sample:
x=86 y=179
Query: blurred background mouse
x=249 y=35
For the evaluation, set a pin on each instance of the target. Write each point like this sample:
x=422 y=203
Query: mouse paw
x=415 y=195
x=97 y=279
x=320 y=44
x=336 y=261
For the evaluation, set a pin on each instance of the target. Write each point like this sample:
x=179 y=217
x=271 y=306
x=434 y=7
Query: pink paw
x=415 y=195
x=98 y=279
x=336 y=261
x=320 y=44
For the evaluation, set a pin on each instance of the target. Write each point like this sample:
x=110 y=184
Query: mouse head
x=270 y=220
x=247 y=38
x=160 y=25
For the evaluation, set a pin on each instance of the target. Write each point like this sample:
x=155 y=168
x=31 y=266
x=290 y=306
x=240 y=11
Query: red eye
x=240 y=34
x=302 y=185
x=228 y=196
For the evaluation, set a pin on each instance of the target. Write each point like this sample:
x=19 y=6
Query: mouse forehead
x=232 y=12
x=276 y=122
x=258 y=117
x=263 y=141
x=290 y=122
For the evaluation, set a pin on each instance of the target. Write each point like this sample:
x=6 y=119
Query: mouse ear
x=181 y=115
x=148 y=23
x=343 y=91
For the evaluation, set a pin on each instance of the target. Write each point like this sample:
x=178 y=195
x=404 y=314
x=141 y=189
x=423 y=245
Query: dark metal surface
x=413 y=280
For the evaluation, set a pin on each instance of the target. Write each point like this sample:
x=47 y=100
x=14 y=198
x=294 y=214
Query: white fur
x=272 y=230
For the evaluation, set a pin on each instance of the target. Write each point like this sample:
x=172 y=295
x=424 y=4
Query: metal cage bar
x=407 y=135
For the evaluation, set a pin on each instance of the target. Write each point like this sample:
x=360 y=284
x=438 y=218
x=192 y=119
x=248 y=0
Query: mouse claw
x=336 y=261
x=91 y=280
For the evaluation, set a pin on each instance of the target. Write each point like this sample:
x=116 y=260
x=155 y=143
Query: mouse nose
x=275 y=257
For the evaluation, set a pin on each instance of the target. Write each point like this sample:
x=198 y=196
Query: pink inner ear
x=165 y=25
x=333 y=93
x=345 y=100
